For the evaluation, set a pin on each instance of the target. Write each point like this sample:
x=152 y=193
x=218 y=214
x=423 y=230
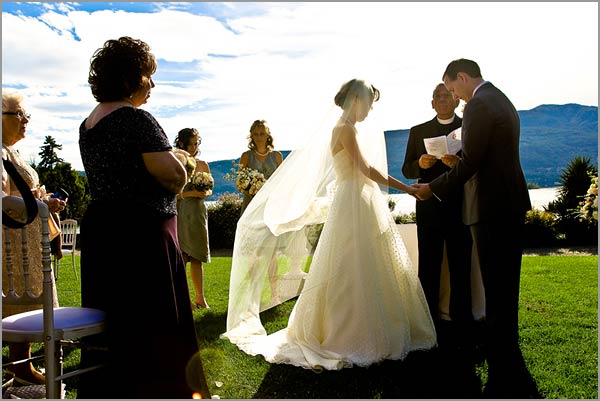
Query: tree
x=76 y=184
x=55 y=173
x=48 y=154
x=574 y=182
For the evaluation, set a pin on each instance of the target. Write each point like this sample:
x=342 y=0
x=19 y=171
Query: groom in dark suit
x=496 y=200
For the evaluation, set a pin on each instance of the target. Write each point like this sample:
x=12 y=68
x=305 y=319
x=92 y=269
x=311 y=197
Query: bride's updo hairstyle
x=355 y=88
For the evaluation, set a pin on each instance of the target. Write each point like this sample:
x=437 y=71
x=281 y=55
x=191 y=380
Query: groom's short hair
x=462 y=65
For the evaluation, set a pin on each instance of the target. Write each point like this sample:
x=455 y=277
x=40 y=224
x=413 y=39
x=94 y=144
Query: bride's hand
x=411 y=190
x=423 y=191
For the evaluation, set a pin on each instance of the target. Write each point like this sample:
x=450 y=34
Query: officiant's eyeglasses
x=19 y=114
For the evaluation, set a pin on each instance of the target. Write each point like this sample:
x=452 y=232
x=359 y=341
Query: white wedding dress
x=362 y=301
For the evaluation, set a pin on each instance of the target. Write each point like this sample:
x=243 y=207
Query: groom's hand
x=423 y=191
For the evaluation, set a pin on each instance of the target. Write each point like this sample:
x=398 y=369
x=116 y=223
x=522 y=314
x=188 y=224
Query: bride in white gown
x=361 y=301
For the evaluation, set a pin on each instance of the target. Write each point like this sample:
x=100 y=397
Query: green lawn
x=558 y=328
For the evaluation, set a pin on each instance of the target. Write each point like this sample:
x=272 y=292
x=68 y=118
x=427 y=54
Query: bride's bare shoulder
x=342 y=129
x=340 y=136
x=343 y=133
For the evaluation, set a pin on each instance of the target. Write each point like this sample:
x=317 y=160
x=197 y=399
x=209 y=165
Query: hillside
x=551 y=136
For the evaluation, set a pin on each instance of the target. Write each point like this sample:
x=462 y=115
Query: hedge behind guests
x=540 y=225
x=223 y=216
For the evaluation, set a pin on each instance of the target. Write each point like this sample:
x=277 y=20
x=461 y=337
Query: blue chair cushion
x=64 y=319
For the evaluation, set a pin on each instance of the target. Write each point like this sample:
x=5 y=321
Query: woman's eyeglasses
x=19 y=114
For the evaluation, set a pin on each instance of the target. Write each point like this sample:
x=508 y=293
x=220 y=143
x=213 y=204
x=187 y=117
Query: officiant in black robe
x=441 y=222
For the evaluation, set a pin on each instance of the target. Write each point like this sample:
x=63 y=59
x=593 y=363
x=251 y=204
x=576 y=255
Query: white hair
x=10 y=97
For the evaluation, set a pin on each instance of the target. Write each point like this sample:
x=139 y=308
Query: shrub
x=391 y=204
x=406 y=218
x=574 y=182
x=540 y=230
x=223 y=216
x=588 y=209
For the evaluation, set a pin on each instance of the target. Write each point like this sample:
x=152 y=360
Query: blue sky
x=224 y=64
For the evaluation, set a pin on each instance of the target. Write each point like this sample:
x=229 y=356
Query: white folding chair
x=55 y=327
x=68 y=233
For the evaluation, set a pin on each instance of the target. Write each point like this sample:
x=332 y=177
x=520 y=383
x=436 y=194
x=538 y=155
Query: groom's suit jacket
x=490 y=168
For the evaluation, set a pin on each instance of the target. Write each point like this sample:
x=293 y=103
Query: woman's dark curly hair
x=185 y=136
x=117 y=68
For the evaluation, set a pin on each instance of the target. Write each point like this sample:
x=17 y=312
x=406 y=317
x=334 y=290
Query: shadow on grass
x=423 y=374
x=210 y=326
x=443 y=372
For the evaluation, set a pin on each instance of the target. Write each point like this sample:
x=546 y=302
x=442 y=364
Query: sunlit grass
x=558 y=329
x=558 y=326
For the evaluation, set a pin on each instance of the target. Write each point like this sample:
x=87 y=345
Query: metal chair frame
x=68 y=233
x=55 y=327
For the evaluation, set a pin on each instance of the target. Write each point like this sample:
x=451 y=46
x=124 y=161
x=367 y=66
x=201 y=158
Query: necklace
x=347 y=121
x=261 y=154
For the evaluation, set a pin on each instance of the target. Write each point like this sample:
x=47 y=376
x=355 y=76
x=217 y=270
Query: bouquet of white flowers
x=247 y=180
x=203 y=181
x=589 y=206
x=189 y=162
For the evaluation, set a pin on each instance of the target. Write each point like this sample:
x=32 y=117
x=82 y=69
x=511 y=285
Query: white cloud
x=285 y=61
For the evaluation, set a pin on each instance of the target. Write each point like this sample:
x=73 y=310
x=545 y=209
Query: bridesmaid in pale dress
x=261 y=155
x=263 y=158
x=192 y=219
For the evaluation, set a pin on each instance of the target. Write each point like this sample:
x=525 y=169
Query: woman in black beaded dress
x=134 y=177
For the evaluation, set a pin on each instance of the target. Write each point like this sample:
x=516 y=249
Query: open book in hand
x=441 y=145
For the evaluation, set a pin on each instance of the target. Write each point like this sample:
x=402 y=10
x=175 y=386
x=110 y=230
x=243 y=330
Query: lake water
x=540 y=198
